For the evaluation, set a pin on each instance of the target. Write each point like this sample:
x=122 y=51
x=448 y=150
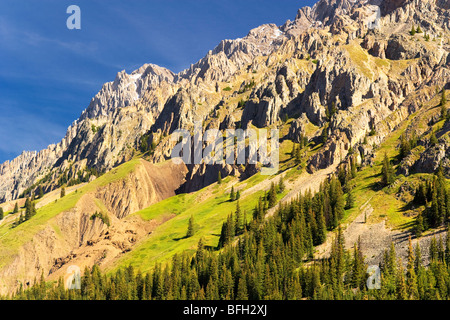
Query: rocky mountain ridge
x=326 y=57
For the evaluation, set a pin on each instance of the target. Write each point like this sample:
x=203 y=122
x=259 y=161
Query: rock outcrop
x=354 y=56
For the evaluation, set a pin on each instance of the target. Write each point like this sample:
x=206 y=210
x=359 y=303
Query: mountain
x=347 y=75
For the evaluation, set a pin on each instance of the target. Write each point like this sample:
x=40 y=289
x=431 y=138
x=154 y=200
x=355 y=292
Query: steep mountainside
x=343 y=79
x=326 y=56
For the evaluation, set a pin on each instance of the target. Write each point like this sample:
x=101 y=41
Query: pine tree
x=238 y=195
x=281 y=186
x=419 y=30
x=298 y=155
x=350 y=200
x=294 y=149
x=402 y=293
x=444 y=112
x=219 y=178
x=413 y=30
x=405 y=146
x=353 y=169
x=63 y=191
x=191 y=228
x=418 y=258
x=237 y=223
x=433 y=250
x=324 y=134
x=242 y=289
x=387 y=172
x=16 y=208
x=232 y=194
x=443 y=97
x=41 y=192
x=411 y=278
x=272 y=196
x=358 y=269
x=419 y=227
x=433 y=139
x=1 y=213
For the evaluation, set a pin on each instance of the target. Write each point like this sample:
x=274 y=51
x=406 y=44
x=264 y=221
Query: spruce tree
x=191 y=228
x=413 y=30
x=41 y=192
x=16 y=208
x=219 y=178
x=281 y=186
x=298 y=155
x=405 y=146
x=1 y=213
x=272 y=196
x=294 y=149
x=433 y=139
x=242 y=289
x=444 y=112
x=63 y=191
x=387 y=172
x=411 y=278
x=350 y=200
x=237 y=223
x=232 y=194
x=419 y=227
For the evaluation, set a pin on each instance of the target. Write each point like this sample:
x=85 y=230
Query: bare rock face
x=432 y=158
x=103 y=134
x=325 y=57
x=126 y=89
x=297 y=129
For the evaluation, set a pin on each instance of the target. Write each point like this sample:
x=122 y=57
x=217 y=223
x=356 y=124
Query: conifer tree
x=402 y=293
x=413 y=30
x=411 y=278
x=433 y=139
x=443 y=102
x=419 y=227
x=16 y=208
x=418 y=258
x=1 y=213
x=387 y=171
x=272 y=196
x=353 y=169
x=242 y=289
x=232 y=194
x=433 y=250
x=298 y=155
x=281 y=186
x=350 y=200
x=324 y=134
x=219 y=178
x=41 y=192
x=191 y=228
x=63 y=191
x=237 y=224
x=405 y=146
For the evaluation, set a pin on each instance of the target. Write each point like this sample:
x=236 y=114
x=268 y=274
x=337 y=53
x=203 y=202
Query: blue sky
x=48 y=73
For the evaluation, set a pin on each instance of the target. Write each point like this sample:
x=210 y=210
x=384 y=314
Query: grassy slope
x=210 y=208
x=384 y=202
x=11 y=239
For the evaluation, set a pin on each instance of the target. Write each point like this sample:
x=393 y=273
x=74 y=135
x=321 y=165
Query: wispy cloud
x=28 y=132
